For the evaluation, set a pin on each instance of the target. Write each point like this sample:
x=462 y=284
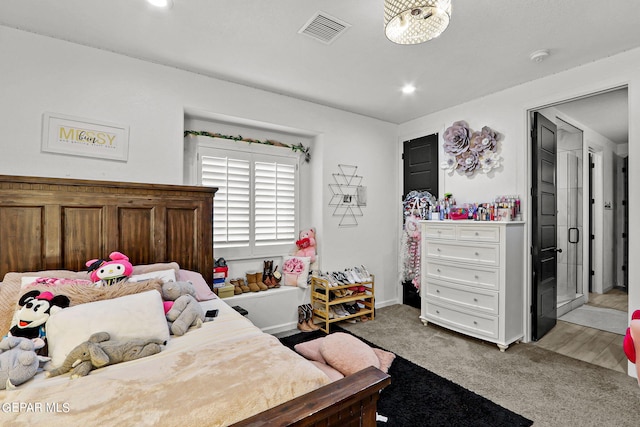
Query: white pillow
x=130 y=317
x=164 y=275
x=295 y=271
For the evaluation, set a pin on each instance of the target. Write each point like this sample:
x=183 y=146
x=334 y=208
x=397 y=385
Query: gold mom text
x=81 y=135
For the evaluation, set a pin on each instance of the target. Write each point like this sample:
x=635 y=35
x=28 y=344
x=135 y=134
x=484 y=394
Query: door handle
x=577 y=235
x=558 y=250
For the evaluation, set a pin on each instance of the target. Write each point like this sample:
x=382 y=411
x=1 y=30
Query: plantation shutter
x=232 y=203
x=274 y=202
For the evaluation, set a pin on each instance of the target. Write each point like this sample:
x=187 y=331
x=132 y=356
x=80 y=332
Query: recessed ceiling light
x=539 y=55
x=161 y=3
x=408 y=88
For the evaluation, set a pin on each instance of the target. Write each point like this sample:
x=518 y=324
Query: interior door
x=420 y=158
x=544 y=225
x=420 y=173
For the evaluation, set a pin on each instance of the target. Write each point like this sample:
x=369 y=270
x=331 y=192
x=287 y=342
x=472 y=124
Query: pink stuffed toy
x=307 y=244
x=107 y=273
x=631 y=343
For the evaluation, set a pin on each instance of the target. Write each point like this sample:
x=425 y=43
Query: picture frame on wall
x=77 y=136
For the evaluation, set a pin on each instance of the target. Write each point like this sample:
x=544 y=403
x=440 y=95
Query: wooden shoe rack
x=321 y=301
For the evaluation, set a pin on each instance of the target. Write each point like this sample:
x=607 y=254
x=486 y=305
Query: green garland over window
x=294 y=147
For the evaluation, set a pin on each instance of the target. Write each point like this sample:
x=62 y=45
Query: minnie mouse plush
x=35 y=309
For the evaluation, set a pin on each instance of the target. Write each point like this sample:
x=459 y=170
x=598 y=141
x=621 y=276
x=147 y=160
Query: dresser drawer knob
x=437 y=291
x=476 y=277
x=477 y=234
x=475 y=323
x=477 y=253
x=438 y=249
x=438 y=270
x=475 y=300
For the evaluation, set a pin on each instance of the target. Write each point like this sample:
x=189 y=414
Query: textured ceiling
x=485 y=49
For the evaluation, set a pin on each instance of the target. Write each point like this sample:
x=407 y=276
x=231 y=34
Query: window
x=255 y=207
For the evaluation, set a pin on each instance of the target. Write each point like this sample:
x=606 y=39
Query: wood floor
x=587 y=344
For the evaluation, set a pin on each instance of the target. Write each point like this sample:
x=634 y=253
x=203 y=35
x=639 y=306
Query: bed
x=226 y=372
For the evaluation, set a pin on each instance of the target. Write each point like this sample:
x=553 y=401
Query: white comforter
x=221 y=373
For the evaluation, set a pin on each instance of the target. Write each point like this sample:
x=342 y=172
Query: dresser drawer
x=481 y=301
x=485 y=233
x=486 y=278
x=440 y=231
x=480 y=254
x=476 y=324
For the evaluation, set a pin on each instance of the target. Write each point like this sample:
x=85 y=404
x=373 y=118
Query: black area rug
x=417 y=397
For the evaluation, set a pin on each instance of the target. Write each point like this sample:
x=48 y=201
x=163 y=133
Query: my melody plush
x=100 y=350
x=306 y=244
x=181 y=308
x=109 y=272
x=18 y=361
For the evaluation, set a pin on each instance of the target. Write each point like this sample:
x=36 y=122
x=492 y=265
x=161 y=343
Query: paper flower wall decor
x=469 y=151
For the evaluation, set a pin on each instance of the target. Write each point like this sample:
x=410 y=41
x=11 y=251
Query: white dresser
x=473 y=278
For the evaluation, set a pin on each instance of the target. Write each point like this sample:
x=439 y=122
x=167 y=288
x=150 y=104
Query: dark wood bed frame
x=55 y=223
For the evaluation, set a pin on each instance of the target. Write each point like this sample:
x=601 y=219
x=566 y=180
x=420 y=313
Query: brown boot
x=261 y=285
x=276 y=277
x=236 y=287
x=309 y=318
x=302 y=317
x=251 y=281
x=243 y=285
x=267 y=274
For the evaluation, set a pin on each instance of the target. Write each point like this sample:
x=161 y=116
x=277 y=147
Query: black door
x=543 y=227
x=420 y=167
x=625 y=234
x=420 y=157
x=592 y=236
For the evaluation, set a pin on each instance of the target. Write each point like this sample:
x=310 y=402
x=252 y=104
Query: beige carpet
x=546 y=387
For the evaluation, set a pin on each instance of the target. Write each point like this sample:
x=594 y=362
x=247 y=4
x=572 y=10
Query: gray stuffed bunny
x=18 y=361
x=101 y=351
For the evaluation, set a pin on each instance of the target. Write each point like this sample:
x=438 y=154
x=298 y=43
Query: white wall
x=41 y=74
x=506 y=112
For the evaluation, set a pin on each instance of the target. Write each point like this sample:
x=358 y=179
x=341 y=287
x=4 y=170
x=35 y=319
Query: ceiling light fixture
x=408 y=88
x=415 y=21
x=539 y=55
x=166 y=4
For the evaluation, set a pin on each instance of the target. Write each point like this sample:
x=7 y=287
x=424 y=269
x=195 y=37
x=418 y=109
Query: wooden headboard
x=52 y=223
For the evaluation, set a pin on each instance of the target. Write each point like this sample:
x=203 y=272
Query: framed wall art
x=78 y=136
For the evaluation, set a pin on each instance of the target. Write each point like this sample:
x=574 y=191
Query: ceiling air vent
x=324 y=28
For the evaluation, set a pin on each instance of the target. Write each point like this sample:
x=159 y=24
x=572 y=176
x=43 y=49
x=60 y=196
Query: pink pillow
x=311 y=350
x=347 y=353
x=386 y=358
x=333 y=374
x=203 y=291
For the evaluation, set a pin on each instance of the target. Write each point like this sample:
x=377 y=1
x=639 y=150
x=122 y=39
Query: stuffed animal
x=100 y=350
x=18 y=361
x=109 y=272
x=30 y=320
x=631 y=342
x=182 y=309
x=307 y=244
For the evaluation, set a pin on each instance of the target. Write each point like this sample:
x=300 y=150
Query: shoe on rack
x=350 y=308
x=349 y=277
x=340 y=311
